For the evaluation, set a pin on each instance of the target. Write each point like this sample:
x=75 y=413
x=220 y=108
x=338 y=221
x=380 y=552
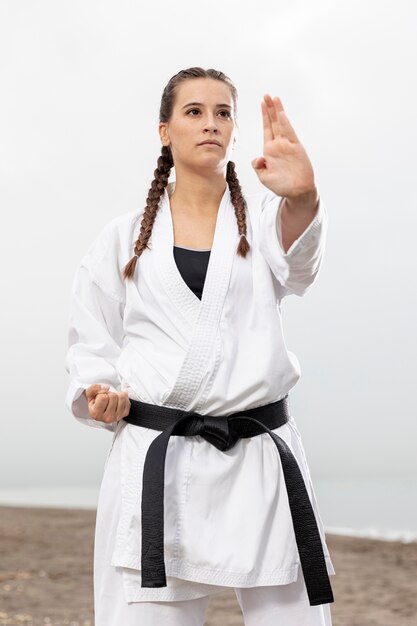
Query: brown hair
x=165 y=163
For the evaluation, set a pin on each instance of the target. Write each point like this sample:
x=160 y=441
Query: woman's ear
x=163 y=134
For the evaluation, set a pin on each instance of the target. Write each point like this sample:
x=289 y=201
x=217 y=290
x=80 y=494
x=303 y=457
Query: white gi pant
x=275 y=605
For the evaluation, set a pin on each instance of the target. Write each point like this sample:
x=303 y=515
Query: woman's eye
x=228 y=114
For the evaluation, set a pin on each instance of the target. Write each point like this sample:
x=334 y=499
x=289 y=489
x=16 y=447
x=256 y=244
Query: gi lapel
x=203 y=316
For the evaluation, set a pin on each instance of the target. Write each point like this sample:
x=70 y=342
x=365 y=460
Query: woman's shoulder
x=109 y=251
x=116 y=236
x=121 y=225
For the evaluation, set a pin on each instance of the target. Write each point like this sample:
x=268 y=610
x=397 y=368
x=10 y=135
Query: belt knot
x=215 y=430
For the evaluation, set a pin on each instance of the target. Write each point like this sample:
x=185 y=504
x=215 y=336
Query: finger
x=119 y=406
x=98 y=405
x=102 y=392
x=273 y=109
x=259 y=163
x=280 y=122
x=286 y=128
x=268 y=134
x=126 y=408
x=123 y=405
x=92 y=391
x=109 y=413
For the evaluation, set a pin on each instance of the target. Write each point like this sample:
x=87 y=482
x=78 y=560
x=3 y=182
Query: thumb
x=259 y=163
x=93 y=390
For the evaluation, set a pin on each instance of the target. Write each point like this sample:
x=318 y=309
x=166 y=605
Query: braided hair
x=165 y=163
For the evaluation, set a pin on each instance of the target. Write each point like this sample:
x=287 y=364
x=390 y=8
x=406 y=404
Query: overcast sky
x=81 y=86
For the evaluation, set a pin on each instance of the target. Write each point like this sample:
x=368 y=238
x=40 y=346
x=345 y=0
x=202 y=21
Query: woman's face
x=190 y=124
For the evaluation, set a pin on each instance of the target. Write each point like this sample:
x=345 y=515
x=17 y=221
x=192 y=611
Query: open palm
x=284 y=167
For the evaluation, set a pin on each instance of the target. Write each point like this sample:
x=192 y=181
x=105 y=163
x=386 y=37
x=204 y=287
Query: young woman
x=176 y=346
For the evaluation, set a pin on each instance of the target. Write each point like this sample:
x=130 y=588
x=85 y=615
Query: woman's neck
x=197 y=195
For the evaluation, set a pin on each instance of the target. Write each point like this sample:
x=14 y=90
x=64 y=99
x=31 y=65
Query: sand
x=46 y=575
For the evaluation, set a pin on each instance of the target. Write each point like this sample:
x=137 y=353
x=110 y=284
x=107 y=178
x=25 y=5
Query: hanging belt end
x=158 y=582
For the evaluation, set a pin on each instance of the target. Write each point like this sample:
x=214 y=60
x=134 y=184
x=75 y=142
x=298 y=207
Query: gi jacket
x=153 y=337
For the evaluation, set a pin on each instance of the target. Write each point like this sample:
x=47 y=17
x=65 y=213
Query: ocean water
x=380 y=509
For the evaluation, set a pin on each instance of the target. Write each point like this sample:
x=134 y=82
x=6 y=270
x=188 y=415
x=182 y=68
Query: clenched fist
x=107 y=406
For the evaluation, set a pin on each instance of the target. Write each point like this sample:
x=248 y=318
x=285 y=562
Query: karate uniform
x=227 y=518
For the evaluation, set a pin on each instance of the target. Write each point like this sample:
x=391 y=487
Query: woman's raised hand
x=284 y=167
x=107 y=406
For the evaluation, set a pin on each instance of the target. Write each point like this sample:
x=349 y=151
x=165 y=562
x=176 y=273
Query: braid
x=160 y=181
x=239 y=203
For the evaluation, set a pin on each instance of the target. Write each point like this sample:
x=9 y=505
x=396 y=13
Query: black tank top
x=192 y=265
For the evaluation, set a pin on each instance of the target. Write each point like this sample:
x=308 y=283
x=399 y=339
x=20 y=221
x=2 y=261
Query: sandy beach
x=46 y=572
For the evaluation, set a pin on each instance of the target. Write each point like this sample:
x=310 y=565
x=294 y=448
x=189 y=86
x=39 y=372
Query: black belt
x=224 y=432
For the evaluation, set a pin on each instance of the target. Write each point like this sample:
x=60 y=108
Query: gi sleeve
x=298 y=268
x=95 y=335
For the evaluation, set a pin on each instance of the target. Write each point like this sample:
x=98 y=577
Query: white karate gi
x=227 y=517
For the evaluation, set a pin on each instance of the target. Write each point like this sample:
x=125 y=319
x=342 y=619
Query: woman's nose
x=210 y=123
